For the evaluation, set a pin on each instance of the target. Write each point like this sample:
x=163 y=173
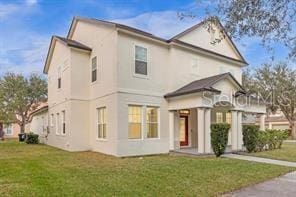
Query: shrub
x=262 y=140
x=219 y=137
x=283 y=135
x=32 y=138
x=250 y=137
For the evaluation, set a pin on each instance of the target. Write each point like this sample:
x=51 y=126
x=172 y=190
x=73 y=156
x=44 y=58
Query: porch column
x=234 y=130
x=262 y=122
x=201 y=130
x=207 y=130
x=172 y=129
x=239 y=130
x=269 y=125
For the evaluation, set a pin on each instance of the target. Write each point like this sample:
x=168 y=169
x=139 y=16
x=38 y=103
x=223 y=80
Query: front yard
x=39 y=170
x=286 y=153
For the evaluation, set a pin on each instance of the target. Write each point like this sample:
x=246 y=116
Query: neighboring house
x=11 y=130
x=275 y=120
x=39 y=122
x=122 y=91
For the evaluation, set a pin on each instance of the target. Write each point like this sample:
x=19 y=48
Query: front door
x=183 y=130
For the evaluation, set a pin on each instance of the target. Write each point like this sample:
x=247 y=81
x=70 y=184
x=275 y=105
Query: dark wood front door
x=183 y=130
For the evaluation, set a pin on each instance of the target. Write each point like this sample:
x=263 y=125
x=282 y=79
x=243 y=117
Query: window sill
x=141 y=76
x=101 y=140
x=94 y=83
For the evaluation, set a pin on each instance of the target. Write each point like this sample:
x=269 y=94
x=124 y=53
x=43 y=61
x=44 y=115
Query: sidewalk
x=261 y=160
x=281 y=186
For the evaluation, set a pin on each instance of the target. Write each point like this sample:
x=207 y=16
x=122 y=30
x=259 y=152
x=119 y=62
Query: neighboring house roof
x=39 y=110
x=68 y=42
x=204 y=84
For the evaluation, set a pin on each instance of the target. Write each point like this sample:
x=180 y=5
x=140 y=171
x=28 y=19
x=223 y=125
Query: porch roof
x=204 y=84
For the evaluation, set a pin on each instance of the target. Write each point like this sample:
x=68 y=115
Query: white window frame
x=147 y=61
x=57 y=126
x=51 y=120
x=91 y=68
x=63 y=121
x=98 y=123
x=158 y=122
x=143 y=120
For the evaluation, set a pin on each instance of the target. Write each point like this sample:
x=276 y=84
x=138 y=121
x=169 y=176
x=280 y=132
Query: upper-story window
x=94 y=68
x=63 y=122
x=59 y=77
x=141 y=60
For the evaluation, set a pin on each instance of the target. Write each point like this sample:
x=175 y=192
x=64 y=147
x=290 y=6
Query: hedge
x=219 y=137
x=255 y=140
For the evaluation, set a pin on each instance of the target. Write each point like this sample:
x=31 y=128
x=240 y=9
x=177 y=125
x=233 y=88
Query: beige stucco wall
x=202 y=38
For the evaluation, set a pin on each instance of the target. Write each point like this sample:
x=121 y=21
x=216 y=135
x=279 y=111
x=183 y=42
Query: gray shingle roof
x=201 y=85
x=73 y=43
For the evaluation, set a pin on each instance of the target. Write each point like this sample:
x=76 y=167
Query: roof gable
x=198 y=35
x=66 y=42
x=205 y=84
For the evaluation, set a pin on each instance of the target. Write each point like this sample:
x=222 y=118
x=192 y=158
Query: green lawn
x=39 y=170
x=287 y=153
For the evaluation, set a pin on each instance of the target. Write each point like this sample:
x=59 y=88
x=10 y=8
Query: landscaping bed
x=40 y=170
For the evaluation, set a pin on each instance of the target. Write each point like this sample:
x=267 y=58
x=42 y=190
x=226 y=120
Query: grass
x=286 y=153
x=40 y=170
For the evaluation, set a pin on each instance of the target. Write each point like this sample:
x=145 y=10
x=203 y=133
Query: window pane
x=152 y=130
x=135 y=122
x=94 y=63
x=141 y=67
x=102 y=133
x=134 y=131
x=152 y=114
x=94 y=75
x=141 y=53
x=152 y=122
x=219 y=117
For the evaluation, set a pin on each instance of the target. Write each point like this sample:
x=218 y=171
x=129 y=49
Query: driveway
x=278 y=187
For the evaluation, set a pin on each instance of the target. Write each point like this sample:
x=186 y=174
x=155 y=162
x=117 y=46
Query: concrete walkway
x=290 y=141
x=278 y=187
x=261 y=160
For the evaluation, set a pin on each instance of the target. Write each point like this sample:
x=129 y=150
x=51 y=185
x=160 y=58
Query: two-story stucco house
x=122 y=91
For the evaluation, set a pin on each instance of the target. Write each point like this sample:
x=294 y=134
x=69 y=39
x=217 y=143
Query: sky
x=26 y=27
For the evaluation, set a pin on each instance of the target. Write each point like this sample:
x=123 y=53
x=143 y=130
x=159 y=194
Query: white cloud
x=7 y=9
x=31 y=2
x=164 y=24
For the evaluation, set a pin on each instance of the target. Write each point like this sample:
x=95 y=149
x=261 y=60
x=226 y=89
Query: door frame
x=186 y=142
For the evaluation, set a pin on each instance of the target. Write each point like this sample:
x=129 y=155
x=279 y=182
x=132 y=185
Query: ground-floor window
x=57 y=124
x=228 y=117
x=219 y=117
x=152 y=122
x=63 y=122
x=102 y=132
x=143 y=122
x=134 y=122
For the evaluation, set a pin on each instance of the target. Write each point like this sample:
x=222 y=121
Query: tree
x=271 y=20
x=5 y=118
x=20 y=95
x=276 y=84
